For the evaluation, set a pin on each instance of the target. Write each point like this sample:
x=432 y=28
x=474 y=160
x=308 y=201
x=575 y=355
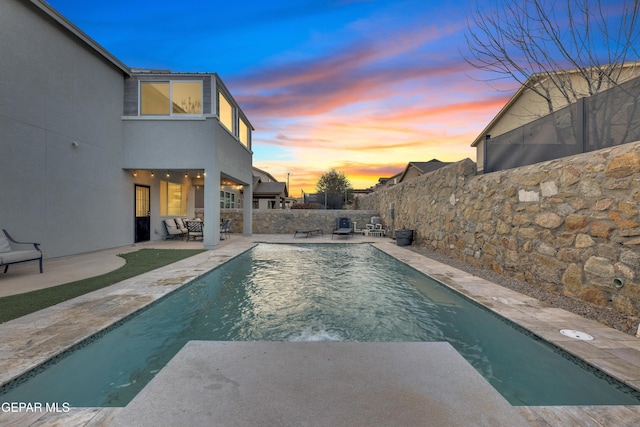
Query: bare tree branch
x=534 y=41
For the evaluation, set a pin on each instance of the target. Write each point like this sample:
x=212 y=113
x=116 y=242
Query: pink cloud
x=363 y=71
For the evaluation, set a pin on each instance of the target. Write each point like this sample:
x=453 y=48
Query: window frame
x=234 y=126
x=244 y=137
x=170 y=82
x=166 y=198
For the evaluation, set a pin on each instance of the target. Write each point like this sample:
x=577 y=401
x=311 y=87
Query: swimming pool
x=323 y=292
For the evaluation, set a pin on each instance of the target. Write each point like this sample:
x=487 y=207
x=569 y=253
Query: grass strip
x=136 y=263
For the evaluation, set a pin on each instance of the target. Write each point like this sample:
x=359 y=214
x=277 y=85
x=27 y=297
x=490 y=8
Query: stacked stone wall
x=570 y=224
x=280 y=221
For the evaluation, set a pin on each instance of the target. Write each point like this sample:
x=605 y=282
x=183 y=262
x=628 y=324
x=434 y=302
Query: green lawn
x=137 y=263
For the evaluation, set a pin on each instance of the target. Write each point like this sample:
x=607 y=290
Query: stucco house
x=412 y=170
x=384 y=182
x=526 y=105
x=416 y=169
x=95 y=154
x=268 y=192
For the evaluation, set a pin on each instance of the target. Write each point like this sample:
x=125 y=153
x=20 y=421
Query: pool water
x=339 y=292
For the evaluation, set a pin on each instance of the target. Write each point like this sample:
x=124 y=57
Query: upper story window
x=226 y=112
x=243 y=133
x=171 y=98
x=230 y=119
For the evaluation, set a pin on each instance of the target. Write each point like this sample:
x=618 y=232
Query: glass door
x=143 y=214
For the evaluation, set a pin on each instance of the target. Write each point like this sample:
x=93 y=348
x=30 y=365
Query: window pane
x=226 y=112
x=154 y=98
x=174 y=199
x=186 y=97
x=163 y=198
x=244 y=133
x=199 y=197
x=142 y=201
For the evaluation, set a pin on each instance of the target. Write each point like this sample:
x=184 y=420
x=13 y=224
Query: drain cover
x=576 y=334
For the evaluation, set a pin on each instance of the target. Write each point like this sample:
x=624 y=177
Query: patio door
x=143 y=213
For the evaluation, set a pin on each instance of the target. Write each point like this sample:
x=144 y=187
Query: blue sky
x=360 y=86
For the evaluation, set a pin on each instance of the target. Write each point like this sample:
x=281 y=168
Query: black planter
x=404 y=237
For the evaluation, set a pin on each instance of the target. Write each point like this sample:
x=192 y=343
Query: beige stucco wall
x=570 y=224
x=411 y=173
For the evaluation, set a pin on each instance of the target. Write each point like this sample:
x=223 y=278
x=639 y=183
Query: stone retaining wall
x=280 y=221
x=569 y=224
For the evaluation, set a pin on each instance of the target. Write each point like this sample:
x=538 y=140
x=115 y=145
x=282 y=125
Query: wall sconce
x=152 y=174
x=168 y=174
x=186 y=175
x=135 y=173
x=198 y=176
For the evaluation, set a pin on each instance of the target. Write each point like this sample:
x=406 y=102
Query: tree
x=334 y=186
x=533 y=41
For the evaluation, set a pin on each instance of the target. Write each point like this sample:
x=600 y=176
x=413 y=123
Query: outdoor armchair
x=10 y=253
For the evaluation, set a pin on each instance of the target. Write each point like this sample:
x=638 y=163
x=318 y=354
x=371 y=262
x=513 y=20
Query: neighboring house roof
x=270 y=189
x=77 y=32
x=265 y=185
x=537 y=78
x=422 y=167
x=261 y=173
x=391 y=180
x=415 y=168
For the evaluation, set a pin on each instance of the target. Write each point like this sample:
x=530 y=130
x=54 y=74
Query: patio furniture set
x=192 y=229
x=345 y=227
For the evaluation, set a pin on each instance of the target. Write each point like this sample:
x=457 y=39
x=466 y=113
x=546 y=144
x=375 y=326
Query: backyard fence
x=603 y=120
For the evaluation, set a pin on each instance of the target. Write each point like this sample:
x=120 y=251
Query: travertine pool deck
x=319 y=383
x=31 y=340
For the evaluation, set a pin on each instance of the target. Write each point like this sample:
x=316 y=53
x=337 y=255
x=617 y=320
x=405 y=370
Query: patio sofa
x=9 y=253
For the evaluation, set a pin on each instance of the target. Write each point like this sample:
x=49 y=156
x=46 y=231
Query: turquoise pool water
x=341 y=292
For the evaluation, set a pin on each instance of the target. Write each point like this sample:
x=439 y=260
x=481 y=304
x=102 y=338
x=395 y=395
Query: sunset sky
x=360 y=86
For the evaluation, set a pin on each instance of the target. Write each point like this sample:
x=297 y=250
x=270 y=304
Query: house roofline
x=409 y=166
x=266 y=173
x=227 y=92
x=413 y=165
x=81 y=35
x=501 y=113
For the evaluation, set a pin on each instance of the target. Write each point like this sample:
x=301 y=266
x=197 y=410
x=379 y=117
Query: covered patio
x=176 y=193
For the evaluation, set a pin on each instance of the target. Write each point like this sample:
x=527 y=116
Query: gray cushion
x=17 y=256
x=5 y=246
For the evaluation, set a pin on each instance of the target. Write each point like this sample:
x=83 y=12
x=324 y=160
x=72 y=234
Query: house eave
x=81 y=35
x=498 y=116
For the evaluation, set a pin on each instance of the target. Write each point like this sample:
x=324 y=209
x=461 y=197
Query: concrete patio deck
x=29 y=341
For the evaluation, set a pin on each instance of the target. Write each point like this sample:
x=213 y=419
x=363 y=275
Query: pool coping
x=29 y=341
